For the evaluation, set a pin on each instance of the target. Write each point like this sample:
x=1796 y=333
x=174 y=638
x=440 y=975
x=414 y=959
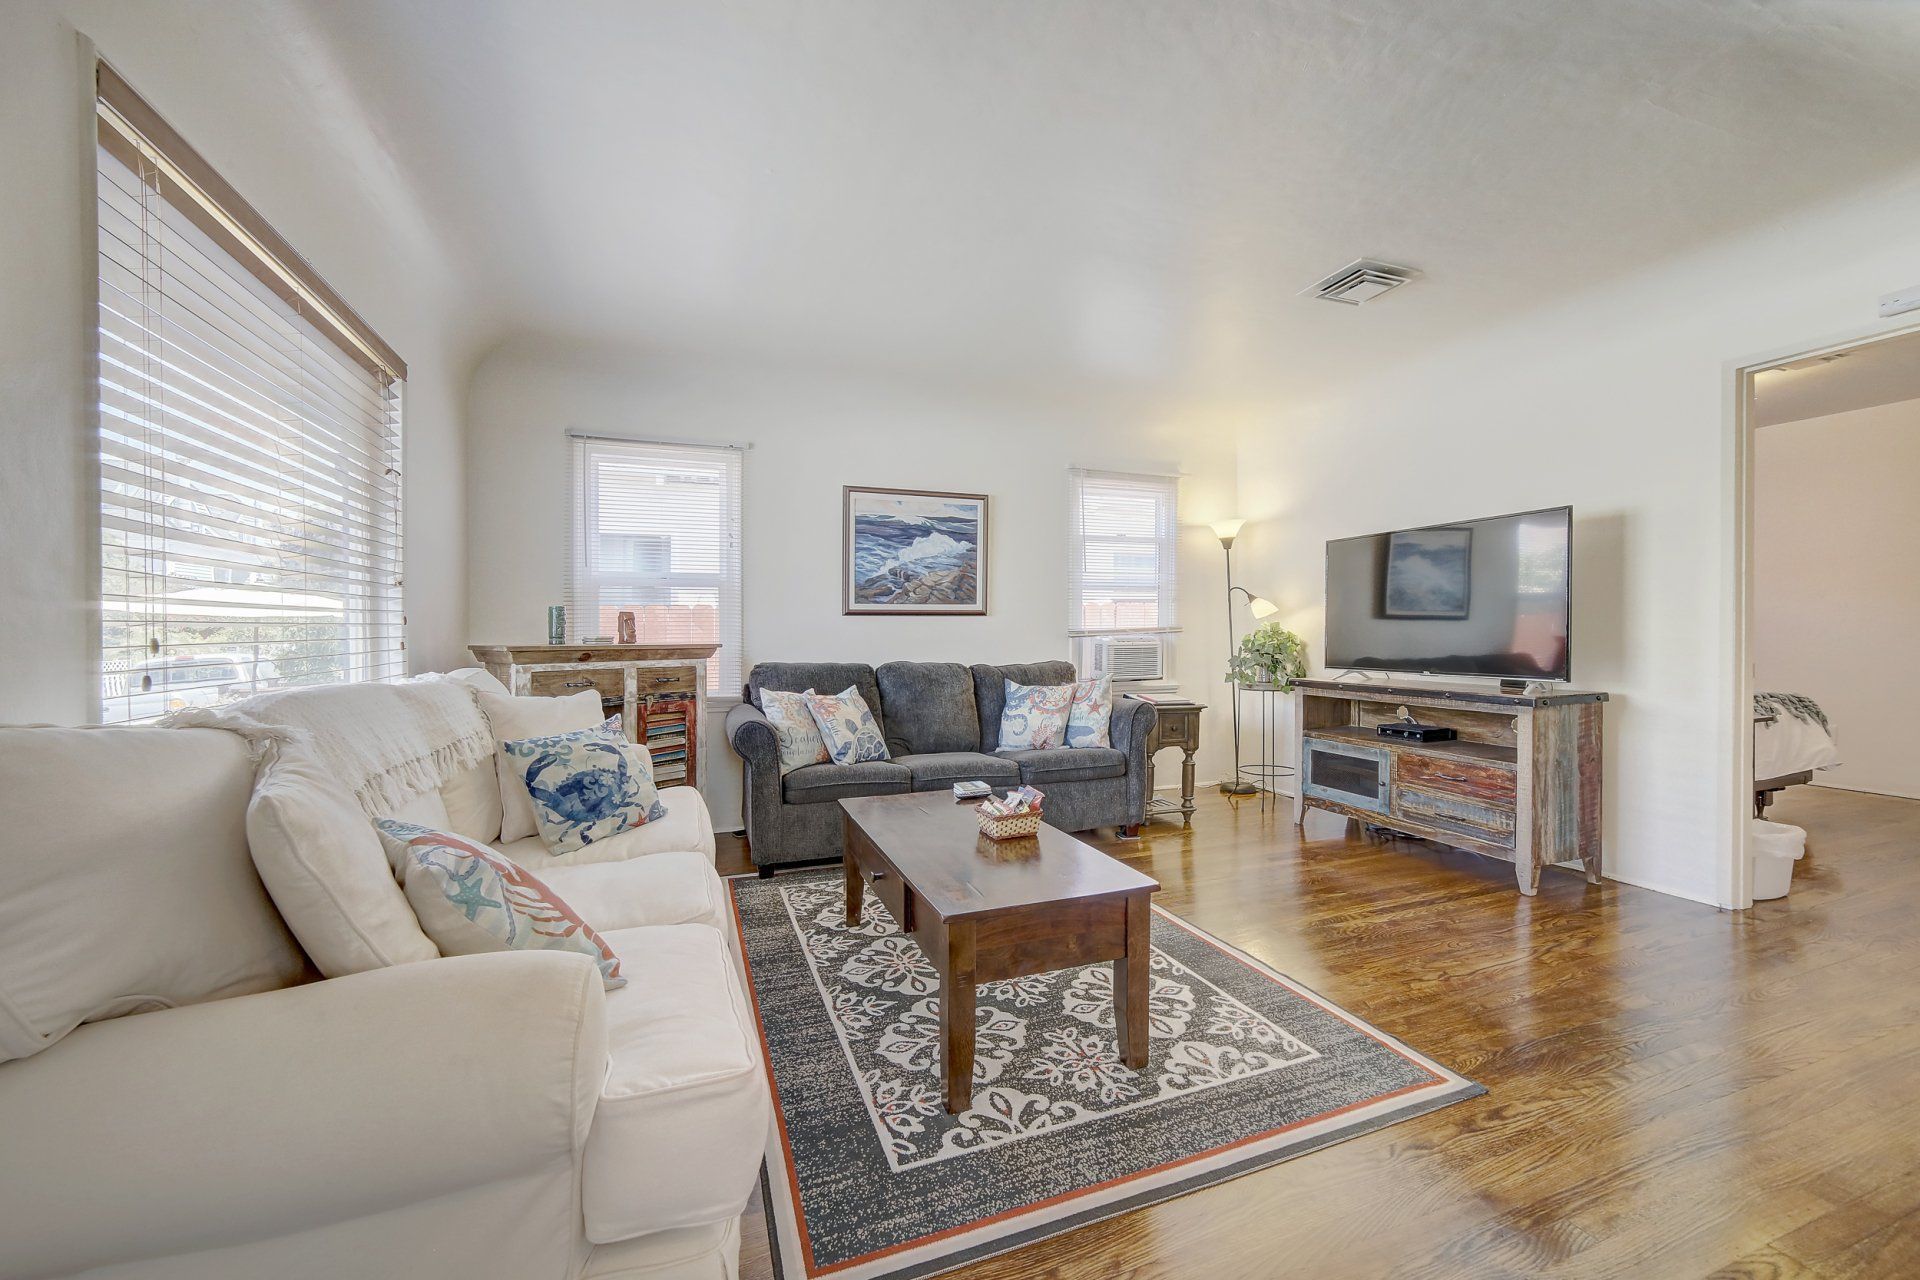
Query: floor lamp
x=1259 y=607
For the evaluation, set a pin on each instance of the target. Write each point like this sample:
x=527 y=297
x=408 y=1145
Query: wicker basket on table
x=1011 y=826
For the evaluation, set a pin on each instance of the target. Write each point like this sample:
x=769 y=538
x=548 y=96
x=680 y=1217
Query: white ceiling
x=1105 y=192
x=1878 y=373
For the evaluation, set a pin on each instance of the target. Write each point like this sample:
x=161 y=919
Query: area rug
x=867 y=1174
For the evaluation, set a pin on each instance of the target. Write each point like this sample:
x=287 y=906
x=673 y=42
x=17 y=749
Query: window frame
x=244 y=494
x=1165 y=540
x=726 y=670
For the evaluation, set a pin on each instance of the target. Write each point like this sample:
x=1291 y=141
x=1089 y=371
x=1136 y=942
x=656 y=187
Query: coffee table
x=984 y=910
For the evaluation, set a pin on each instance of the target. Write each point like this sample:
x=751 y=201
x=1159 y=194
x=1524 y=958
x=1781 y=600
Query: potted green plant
x=1269 y=654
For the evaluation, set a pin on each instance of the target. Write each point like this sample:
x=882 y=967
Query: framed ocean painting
x=910 y=551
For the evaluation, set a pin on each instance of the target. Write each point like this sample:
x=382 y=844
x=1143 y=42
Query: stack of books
x=666 y=739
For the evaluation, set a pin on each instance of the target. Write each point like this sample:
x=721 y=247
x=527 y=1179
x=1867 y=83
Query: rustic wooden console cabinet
x=660 y=691
x=1521 y=782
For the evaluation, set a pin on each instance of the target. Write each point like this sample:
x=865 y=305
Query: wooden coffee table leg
x=855 y=891
x=1132 y=979
x=957 y=1019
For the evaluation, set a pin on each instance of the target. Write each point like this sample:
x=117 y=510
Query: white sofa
x=181 y=1094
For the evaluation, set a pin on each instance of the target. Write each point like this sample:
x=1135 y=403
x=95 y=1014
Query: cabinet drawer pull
x=576 y=684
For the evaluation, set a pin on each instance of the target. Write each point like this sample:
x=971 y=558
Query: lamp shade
x=1227 y=531
x=1261 y=607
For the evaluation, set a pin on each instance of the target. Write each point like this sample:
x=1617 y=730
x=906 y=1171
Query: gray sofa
x=941 y=722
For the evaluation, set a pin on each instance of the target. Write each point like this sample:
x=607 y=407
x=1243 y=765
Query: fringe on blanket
x=377 y=791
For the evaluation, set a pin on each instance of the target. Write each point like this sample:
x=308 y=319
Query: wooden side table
x=1178 y=725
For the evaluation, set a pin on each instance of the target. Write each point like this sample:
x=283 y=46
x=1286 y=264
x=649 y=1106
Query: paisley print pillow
x=471 y=899
x=1091 y=713
x=794 y=729
x=846 y=726
x=587 y=785
x=1035 y=716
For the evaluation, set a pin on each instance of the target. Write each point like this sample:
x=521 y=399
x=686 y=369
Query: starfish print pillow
x=472 y=899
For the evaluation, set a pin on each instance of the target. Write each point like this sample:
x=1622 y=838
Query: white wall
x=1836 y=561
x=810 y=434
x=1616 y=401
x=244 y=86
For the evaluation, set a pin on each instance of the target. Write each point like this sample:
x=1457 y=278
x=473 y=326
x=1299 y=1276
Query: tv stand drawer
x=1490 y=824
x=1453 y=775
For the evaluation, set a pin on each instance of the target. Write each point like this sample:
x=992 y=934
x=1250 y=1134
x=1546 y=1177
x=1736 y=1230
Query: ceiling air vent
x=1360 y=281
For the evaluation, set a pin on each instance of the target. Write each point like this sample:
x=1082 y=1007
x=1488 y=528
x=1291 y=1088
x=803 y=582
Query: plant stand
x=1271 y=767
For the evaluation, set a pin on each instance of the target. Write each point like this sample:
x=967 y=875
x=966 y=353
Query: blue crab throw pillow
x=586 y=785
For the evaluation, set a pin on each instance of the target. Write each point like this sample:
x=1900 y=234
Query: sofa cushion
x=664 y=888
x=321 y=859
x=823 y=783
x=990 y=691
x=797 y=677
x=687 y=826
x=930 y=707
x=1068 y=764
x=681 y=1125
x=939 y=770
x=126 y=880
x=513 y=718
x=472 y=900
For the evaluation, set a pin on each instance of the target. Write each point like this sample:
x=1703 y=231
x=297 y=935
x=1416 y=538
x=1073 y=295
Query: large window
x=656 y=531
x=249 y=444
x=1121 y=553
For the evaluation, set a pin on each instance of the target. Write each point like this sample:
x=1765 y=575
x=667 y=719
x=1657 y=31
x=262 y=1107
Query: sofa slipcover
x=662 y=888
x=681 y=1124
x=127 y=882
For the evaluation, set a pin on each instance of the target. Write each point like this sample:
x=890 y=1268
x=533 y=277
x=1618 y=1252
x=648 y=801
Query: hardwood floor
x=1673 y=1091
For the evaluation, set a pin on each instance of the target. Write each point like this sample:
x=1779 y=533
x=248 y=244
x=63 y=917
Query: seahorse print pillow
x=847 y=726
x=1090 y=715
x=470 y=899
x=1035 y=716
x=794 y=729
x=587 y=785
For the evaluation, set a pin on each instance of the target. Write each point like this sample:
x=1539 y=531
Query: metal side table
x=1272 y=700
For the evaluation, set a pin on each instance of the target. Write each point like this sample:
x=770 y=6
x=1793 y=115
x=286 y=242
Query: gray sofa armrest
x=1129 y=730
x=751 y=736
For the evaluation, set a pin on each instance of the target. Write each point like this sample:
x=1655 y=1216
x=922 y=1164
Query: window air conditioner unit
x=1129 y=657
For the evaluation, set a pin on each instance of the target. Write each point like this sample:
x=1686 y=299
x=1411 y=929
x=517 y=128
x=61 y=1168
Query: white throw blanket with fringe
x=384 y=743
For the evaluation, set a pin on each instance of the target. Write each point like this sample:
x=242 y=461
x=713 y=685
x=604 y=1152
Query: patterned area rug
x=868 y=1176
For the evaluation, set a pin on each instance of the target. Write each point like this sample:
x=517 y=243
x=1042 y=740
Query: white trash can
x=1775 y=847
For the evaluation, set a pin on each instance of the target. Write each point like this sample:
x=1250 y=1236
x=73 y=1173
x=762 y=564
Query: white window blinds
x=1121 y=552
x=249 y=449
x=656 y=531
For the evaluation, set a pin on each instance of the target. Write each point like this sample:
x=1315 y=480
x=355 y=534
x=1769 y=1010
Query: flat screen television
x=1475 y=598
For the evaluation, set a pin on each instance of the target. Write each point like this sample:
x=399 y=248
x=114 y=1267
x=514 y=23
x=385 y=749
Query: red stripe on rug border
x=1259 y=968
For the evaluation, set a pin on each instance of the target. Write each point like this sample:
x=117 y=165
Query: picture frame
x=1429 y=574
x=913 y=552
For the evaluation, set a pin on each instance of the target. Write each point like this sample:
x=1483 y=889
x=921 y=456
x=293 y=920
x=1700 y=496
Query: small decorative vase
x=556 y=624
x=629 y=632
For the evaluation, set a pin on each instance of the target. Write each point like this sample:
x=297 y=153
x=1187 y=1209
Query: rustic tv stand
x=1521 y=782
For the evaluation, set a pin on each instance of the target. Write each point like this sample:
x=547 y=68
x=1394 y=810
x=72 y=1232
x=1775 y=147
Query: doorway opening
x=1827 y=543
